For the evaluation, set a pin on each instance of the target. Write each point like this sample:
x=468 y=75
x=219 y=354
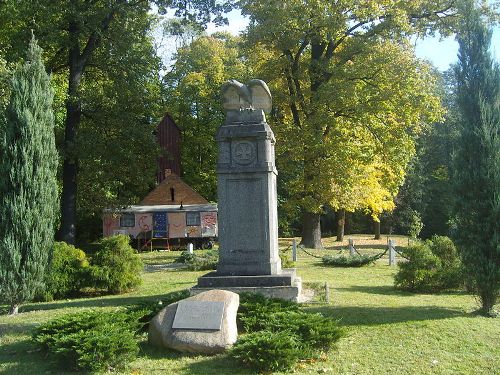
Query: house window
x=127 y=220
x=193 y=219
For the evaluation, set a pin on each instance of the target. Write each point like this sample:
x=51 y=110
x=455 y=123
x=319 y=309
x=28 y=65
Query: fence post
x=392 y=252
x=327 y=293
x=294 y=250
x=190 y=248
x=352 y=251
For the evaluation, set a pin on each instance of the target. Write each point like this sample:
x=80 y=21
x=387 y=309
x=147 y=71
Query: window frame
x=189 y=221
x=123 y=220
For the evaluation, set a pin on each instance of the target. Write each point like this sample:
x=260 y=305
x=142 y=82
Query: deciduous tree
x=193 y=98
x=355 y=96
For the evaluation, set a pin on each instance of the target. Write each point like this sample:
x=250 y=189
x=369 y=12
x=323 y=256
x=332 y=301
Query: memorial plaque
x=198 y=315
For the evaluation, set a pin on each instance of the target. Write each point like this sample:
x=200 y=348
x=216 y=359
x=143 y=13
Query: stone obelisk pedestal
x=247 y=200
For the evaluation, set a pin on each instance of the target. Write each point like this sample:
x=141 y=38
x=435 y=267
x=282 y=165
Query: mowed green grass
x=388 y=332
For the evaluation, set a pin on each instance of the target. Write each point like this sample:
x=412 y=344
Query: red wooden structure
x=168 y=136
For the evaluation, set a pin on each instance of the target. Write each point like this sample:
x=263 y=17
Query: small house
x=172 y=214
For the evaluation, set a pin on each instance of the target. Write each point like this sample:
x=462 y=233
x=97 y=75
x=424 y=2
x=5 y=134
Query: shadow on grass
x=392 y=291
x=95 y=302
x=23 y=357
x=217 y=364
x=363 y=315
x=16 y=328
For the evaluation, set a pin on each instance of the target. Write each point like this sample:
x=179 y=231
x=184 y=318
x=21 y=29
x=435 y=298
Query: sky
x=441 y=52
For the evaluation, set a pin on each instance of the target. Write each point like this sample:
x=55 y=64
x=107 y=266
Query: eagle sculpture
x=254 y=95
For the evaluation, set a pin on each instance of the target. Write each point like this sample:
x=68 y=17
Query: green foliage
x=477 y=163
x=28 y=186
x=286 y=258
x=349 y=97
x=348 y=261
x=68 y=271
x=116 y=267
x=186 y=257
x=432 y=266
x=91 y=340
x=148 y=309
x=268 y=351
x=193 y=92
x=207 y=261
x=313 y=330
x=255 y=309
x=279 y=334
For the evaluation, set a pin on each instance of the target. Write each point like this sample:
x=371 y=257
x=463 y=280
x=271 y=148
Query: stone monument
x=247 y=199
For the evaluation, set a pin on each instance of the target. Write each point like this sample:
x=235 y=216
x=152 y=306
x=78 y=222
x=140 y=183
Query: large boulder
x=162 y=334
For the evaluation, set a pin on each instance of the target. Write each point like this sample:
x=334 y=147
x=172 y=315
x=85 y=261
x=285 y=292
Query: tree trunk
x=340 y=224
x=67 y=230
x=376 y=226
x=311 y=230
x=14 y=309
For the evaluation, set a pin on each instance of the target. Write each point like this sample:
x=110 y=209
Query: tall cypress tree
x=477 y=163
x=28 y=184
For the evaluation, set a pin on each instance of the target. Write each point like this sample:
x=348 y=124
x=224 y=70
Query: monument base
x=285 y=285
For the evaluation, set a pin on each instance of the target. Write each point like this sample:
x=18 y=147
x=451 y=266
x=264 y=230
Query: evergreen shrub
x=432 y=266
x=348 y=261
x=68 y=271
x=116 y=266
x=91 y=340
x=255 y=309
x=207 y=261
x=279 y=333
x=268 y=351
x=148 y=309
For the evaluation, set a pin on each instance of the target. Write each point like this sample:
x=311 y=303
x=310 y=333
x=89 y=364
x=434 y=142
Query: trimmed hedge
x=349 y=261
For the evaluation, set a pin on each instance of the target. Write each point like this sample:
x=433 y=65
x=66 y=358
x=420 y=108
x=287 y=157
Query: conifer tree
x=28 y=184
x=477 y=162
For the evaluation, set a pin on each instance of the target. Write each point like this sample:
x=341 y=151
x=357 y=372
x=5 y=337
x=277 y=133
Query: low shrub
x=68 y=271
x=186 y=257
x=349 y=261
x=91 y=340
x=432 y=266
x=254 y=310
x=148 y=309
x=315 y=331
x=268 y=351
x=116 y=267
x=294 y=334
x=207 y=261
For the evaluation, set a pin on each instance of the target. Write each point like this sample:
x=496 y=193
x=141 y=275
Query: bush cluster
x=207 y=261
x=114 y=267
x=279 y=334
x=100 y=340
x=432 y=266
x=348 y=261
x=68 y=272
x=91 y=340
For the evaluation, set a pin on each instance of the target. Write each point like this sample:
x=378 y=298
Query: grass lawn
x=389 y=332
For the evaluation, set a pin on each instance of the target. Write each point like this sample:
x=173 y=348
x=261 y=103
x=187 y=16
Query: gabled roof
x=172 y=186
